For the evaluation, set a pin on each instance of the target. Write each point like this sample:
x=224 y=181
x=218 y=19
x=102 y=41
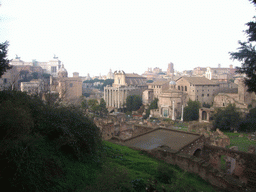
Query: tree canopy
x=133 y=102
x=153 y=105
x=246 y=54
x=4 y=62
x=227 y=118
x=191 y=112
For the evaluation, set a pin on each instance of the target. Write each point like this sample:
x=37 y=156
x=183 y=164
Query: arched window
x=204 y=115
x=181 y=88
x=197 y=153
x=178 y=87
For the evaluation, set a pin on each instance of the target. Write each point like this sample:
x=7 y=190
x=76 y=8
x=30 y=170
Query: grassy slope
x=124 y=166
x=242 y=142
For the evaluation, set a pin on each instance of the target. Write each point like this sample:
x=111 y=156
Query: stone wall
x=198 y=166
x=140 y=129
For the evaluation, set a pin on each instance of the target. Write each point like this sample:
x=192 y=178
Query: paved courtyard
x=173 y=139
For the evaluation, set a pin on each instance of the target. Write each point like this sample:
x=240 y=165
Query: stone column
x=118 y=104
x=173 y=117
x=181 y=113
x=105 y=94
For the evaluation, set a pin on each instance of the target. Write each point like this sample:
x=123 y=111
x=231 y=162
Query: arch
x=197 y=153
x=204 y=115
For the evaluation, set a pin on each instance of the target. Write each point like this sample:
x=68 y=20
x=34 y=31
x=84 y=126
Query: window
x=202 y=90
x=53 y=69
x=5 y=80
x=185 y=88
x=71 y=84
x=178 y=87
x=202 y=95
x=181 y=88
x=207 y=95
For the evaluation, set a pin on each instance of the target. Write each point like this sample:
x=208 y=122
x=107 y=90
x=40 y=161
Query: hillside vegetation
x=56 y=148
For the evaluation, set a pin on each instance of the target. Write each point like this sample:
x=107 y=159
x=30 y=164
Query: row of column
x=115 y=97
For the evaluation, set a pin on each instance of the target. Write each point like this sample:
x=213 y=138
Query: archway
x=204 y=115
x=197 y=153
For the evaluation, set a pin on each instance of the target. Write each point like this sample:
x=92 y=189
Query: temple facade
x=123 y=86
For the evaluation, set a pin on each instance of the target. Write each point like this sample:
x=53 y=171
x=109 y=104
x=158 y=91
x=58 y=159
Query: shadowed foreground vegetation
x=56 y=148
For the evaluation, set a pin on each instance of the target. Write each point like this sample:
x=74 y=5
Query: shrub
x=164 y=174
x=35 y=137
x=227 y=118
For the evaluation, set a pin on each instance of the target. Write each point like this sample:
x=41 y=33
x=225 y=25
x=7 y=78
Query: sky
x=94 y=36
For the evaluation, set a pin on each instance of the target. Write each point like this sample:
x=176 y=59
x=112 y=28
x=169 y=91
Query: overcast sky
x=93 y=36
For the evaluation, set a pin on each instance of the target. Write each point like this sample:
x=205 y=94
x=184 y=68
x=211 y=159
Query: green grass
x=241 y=142
x=124 y=167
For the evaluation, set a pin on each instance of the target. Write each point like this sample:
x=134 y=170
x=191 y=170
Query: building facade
x=123 y=86
x=198 y=88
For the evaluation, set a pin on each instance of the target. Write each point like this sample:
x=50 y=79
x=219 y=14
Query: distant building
x=123 y=86
x=110 y=75
x=170 y=69
x=198 y=88
x=51 y=67
x=238 y=96
x=158 y=87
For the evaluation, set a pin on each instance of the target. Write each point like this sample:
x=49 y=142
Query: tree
x=191 y=112
x=153 y=105
x=247 y=55
x=133 y=102
x=102 y=107
x=93 y=105
x=227 y=118
x=4 y=62
x=249 y=123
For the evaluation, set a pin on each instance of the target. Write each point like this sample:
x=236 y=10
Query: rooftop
x=198 y=81
x=176 y=140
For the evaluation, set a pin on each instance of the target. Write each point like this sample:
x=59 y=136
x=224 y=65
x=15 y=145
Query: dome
x=172 y=83
x=62 y=72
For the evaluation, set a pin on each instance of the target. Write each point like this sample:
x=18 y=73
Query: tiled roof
x=198 y=81
x=129 y=75
x=159 y=82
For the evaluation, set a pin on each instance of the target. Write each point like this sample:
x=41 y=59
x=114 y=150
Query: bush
x=35 y=137
x=191 y=112
x=164 y=174
x=227 y=118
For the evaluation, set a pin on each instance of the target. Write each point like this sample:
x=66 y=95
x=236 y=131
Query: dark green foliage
x=227 y=118
x=191 y=112
x=35 y=137
x=249 y=123
x=102 y=107
x=164 y=174
x=104 y=83
x=133 y=102
x=4 y=62
x=46 y=75
x=153 y=105
x=206 y=105
x=34 y=75
x=94 y=106
x=246 y=54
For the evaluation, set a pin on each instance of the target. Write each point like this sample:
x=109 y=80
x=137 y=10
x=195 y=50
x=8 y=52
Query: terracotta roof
x=133 y=75
x=159 y=82
x=198 y=81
